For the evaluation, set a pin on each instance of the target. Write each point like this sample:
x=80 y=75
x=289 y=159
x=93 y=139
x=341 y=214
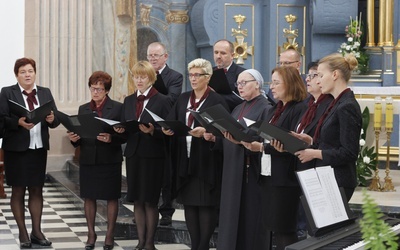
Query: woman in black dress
x=25 y=148
x=198 y=166
x=100 y=160
x=145 y=151
x=280 y=190
x=336 y=139
x=240 y=224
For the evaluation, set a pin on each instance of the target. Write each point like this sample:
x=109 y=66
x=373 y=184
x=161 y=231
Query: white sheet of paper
x=266 y=165
x=323 y=196
x=154 y=116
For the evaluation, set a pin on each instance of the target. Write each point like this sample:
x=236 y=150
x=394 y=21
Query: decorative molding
x=177 y=16
x=145 y=14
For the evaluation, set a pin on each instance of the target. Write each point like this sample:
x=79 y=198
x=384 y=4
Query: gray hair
x=202 y=64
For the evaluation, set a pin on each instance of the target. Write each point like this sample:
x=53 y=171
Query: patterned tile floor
x=63 y=223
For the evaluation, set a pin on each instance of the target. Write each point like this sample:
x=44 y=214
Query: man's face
x=289 y=58
x=223 y=56
x=157 y=56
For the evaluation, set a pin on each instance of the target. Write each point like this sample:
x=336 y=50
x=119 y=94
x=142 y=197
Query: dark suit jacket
x=340 y=140
x=283 y=165
x=204 y=163
x=139 y=143
x=232 y=74
x=94 y=151
x=310 y=129
x=17 y=138
x=173 y=82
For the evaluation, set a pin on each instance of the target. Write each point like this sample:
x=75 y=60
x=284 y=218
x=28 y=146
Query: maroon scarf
x=278 y=111
x=141 y=99
x=99 y=109
x=308 y=117
x=31 y=99
x=194 y=105
x=321 y=121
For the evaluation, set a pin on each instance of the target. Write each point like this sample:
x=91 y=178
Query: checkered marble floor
x=63 y=223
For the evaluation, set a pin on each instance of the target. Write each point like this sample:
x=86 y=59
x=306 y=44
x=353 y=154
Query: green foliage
x=367 y=157
x=375 y=232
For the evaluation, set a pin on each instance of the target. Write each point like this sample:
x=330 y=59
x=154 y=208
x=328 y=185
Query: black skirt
x=144 y=178
x=27 y=168
x=280 y=205
x=100 y=182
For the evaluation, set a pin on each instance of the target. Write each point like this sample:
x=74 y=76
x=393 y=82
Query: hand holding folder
x=269 y=131
x=86 y=126
x=34 y=116
x=178 y=127
x=221 y=119
x=131 y=125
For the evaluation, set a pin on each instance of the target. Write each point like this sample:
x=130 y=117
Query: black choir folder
x=269 y=131
x=221 y=119
x=34 y=116
x=219 y=83
x=131 y=125
x=205 y=123
x=325 y=205
x=179 y=128
x=86 y=126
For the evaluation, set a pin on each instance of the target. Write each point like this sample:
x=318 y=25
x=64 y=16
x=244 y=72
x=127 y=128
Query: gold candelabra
x=388 y=186
x=375 y=183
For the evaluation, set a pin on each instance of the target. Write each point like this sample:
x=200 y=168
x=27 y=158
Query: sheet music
x=154 y=116
x=108 y=121
x=323 y=196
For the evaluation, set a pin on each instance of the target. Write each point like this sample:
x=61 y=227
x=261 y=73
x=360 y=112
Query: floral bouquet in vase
x=353 y=45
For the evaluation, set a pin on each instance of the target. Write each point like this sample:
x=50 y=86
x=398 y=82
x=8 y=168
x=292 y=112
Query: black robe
x=240 y=210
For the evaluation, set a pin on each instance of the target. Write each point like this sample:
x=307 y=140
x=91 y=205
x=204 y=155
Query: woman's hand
x=73 y=137
x=304 y=137
x=209 y=137
x=277 y=145
x=119 y=130
x=197 y=132
x=167 y=131
x=104 y=137
x=308 y=154
x=50 y=117
x=147 y=130
x=254 y=146
x=22 y=123
x=229 y=137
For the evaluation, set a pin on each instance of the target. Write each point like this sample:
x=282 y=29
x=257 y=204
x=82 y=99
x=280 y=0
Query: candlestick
x=375 y=181
x=378 y=113
x=389 y=114
x=388 y=185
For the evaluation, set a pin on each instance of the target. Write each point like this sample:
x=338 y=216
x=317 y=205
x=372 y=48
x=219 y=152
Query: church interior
x=70 y=39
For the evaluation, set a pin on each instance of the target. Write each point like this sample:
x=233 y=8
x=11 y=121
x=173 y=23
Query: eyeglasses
x=243 y=83
x=197 y=75
x=274 y=83
x=140 y=78
x=285 y=63
x=98 y=90
x=155 y=56
x=311 y=76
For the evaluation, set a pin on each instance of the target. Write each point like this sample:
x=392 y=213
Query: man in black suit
x=157 y=55
x=172 y=80
x=223 y=58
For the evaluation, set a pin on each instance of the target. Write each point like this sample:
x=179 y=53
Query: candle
x=389 y=113
x=377 y=113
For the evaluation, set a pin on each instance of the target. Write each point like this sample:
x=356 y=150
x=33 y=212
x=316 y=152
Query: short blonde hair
x=144 y=68
x=203 y=64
